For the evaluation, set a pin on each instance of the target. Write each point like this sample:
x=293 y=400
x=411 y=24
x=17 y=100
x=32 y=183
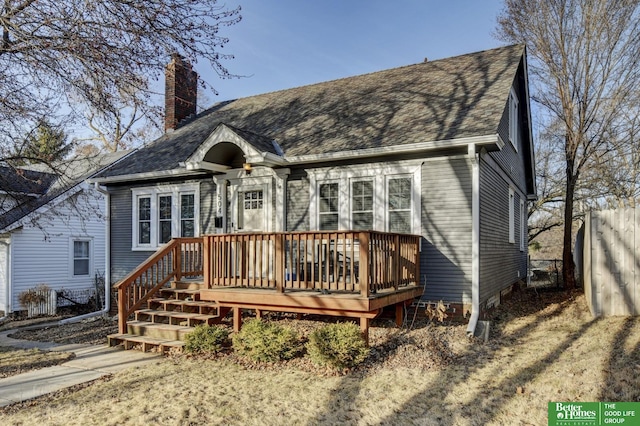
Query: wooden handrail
x=155 y=272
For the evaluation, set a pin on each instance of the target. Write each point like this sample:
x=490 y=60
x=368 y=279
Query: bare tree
x=544 y=212
x=585 y=57
x=64 y=56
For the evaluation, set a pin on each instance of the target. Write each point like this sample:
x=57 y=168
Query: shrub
x=265 y=341
x=338 y=345
x=205 y=338
x=34 y=296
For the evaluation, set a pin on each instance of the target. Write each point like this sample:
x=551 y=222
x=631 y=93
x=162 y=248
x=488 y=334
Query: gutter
x=475 y=239
x=107 y=265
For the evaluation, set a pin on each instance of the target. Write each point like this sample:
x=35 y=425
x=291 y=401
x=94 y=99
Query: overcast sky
x=281 y=44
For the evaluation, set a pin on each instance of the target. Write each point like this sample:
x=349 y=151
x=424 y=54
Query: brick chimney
x=180 y=92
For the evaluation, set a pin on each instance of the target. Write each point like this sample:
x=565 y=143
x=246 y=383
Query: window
x=512 y=198
x=164 y=219
x=399 y=205
x=328 y=211
x=164 y=212
x=144 y=220
x=514 y=122
x=380 y=197
x=253 y=200
x=81 y=257
x=362 y=204
x=523 y=225
x=187 y=215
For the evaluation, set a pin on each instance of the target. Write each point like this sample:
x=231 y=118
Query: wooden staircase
x=168 y=318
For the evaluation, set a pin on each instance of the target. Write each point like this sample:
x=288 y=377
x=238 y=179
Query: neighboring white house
x=52 y=231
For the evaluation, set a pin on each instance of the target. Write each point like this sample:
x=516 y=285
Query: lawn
x=15 y=361
x=543 y=347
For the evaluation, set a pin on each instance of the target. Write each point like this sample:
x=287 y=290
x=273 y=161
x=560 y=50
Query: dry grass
x=543 y=348
x=15 y=361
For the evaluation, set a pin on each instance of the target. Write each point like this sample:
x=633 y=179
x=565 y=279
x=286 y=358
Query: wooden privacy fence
x=611 y=262
x=325 y=261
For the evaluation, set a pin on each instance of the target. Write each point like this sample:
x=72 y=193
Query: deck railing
x=181 y=257
x=314 y=260
x=329 y=261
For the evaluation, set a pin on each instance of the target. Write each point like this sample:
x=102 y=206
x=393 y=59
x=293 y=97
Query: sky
x=281 y=44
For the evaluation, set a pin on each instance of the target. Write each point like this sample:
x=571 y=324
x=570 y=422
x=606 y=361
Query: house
x=52 y=231
x=440 y=149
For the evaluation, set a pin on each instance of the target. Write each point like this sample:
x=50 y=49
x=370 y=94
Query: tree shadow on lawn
x=480 y=406
x=622 y=381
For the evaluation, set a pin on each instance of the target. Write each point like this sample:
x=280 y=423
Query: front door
x=251 y=215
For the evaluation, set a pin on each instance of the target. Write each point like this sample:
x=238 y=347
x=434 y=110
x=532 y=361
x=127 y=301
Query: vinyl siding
x=508 y=159
x=41 y=252
x=123 y=259
x=501 y=262
x=446 y=228
x=297 y=210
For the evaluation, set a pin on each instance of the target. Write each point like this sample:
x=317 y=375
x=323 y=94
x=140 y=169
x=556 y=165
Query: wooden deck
x=320 y=273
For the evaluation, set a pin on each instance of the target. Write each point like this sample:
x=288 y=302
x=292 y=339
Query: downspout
x=107 y=266
x=475 y=239
x=7 y=301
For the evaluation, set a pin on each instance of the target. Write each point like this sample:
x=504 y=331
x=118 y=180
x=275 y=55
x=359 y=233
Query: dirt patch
x=91 y=331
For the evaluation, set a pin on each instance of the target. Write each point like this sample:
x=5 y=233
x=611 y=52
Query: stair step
x=188 y=284
x=158 y=331
x=180 y=293
x=129 y=340
x=181 y=304
x=191 y=319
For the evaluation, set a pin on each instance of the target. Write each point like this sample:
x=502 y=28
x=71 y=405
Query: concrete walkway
x=91 y=362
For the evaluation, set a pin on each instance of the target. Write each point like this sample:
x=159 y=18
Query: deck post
x=237 y=319
x=279 y=262
x=364 y=328
x=399 y=314
x=122 y=316
x=363 y=238
x=206 y=261
x=177 y=261
x=397 y=254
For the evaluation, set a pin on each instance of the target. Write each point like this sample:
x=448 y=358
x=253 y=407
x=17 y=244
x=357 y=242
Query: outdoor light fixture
x=247 y=167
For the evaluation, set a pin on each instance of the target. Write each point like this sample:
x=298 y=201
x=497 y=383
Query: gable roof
x=442 y=100
x=53 y=183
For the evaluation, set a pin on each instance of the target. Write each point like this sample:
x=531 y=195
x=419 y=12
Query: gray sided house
x=442 y=149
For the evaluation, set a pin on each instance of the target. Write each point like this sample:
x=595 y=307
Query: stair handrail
x=128 y=303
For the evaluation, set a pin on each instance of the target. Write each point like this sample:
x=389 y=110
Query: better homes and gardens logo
x=574 y=413
x=594 y=413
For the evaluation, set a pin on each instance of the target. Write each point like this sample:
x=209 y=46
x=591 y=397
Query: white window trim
x=72 y=240
x=513 y=118
x=523 y=225
x=512 y=200
x=379 y=173
x=153 y=193
x=351 y=211
x=386 y=207
x=341 y=202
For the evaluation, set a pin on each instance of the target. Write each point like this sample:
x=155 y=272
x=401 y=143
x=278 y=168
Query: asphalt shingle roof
x=23 y=181
x=52 y=182
x=444 y=99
